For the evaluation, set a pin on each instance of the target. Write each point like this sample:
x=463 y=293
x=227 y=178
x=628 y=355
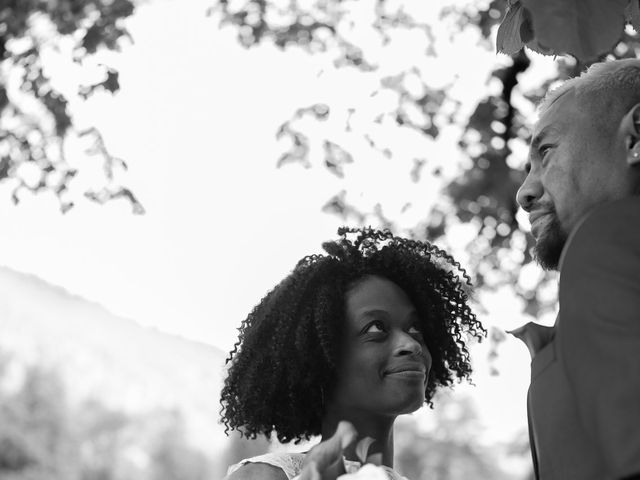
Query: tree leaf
x=5 y=165
x=335 y=157
x=509 y=40
x=585 y=29
x=632 y=14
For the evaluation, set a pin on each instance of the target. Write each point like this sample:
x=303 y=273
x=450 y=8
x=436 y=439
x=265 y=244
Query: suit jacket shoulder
x=598 y=332
x=600 y=266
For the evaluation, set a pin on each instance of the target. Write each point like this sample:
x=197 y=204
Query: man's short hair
x=609 y=89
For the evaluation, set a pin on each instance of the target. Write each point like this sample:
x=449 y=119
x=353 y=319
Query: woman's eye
x=374 y=327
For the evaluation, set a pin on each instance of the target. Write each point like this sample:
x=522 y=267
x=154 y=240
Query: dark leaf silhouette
x=40 y=139
x=336 y=157
x=585 y=29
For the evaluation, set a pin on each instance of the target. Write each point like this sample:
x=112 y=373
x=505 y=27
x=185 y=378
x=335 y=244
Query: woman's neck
x=378 y=427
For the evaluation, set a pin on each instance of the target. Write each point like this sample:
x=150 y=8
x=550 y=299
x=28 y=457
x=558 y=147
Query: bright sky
x=196 y=119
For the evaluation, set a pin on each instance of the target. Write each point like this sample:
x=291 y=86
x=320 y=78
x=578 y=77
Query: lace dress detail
x=291 y=465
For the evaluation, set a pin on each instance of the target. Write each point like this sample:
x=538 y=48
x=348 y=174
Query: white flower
x=367 y=472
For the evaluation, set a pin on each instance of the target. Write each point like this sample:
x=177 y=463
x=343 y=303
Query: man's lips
x=534 y=221
x=536 y=215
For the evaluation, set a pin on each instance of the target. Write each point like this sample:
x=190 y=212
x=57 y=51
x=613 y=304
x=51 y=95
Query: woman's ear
x=631 y=129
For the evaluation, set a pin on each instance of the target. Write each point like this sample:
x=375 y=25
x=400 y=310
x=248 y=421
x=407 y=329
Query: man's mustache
x=543 y=207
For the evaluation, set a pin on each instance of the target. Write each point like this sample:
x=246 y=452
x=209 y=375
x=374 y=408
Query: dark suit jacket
x=584 y=398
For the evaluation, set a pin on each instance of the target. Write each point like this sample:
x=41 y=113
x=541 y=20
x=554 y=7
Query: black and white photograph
x=319 y=240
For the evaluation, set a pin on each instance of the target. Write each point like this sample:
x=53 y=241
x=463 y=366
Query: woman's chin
x=410 y=405
x=416 y=406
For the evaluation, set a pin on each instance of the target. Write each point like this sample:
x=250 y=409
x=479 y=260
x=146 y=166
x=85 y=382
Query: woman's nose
x=407 y=345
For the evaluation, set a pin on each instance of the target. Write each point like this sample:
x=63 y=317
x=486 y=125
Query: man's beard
x=550 y=243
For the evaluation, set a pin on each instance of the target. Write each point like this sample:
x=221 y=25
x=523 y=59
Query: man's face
x=572 y=166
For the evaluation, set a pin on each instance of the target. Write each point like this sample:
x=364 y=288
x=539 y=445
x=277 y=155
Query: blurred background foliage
x=46 y=435
x=448 y=446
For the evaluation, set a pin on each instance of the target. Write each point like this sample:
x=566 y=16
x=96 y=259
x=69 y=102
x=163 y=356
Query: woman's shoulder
x=270 y=466
x=257 y=471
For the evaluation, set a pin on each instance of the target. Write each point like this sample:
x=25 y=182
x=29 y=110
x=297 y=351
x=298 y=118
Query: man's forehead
x=563 y=94
x=556 y=114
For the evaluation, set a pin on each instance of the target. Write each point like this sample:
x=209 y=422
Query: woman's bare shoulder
x=257 y=471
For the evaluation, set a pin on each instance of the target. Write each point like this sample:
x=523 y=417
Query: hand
x=324 y=461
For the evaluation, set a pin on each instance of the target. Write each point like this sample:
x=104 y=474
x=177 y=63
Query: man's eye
x=544 y=149
x=374 y=327
x=414 y=330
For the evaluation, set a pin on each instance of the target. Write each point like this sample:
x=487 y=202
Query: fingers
x=330 y=451
x=346 y=433
x=362 y=448
x=375 y=459
x=310 y=472
x=324 y=461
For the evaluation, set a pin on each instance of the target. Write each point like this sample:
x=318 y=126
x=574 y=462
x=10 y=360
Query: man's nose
x=529 y=192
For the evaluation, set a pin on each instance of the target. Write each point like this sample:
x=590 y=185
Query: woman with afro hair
x=364 y=333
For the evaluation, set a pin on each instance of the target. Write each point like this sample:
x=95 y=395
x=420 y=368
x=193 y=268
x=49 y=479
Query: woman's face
x=384 y=361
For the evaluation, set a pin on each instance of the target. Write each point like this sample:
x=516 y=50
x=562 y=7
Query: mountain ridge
x=126 y=365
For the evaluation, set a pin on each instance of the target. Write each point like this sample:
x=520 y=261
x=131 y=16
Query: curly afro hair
x=286 y=356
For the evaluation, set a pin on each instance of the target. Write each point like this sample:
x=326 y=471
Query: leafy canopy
x=35 y=120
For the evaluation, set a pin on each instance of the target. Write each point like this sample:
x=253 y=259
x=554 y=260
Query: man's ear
x=631 y=129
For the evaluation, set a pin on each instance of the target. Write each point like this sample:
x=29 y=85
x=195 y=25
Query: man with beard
x=581 y=193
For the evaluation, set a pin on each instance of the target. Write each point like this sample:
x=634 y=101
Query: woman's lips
x=413 y=370
x=407 y=374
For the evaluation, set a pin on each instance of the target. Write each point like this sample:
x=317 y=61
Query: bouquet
x=368 y=471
